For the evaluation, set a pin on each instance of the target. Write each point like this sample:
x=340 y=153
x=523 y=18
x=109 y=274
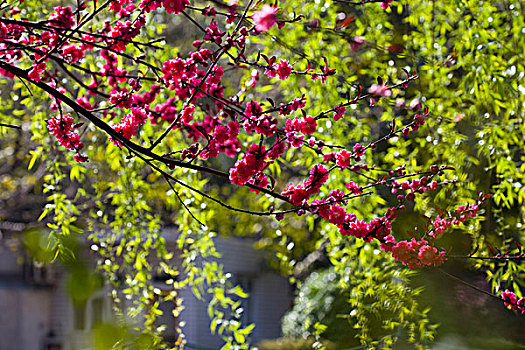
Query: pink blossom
x=297 y=141
x=270 y=71
x=427 y=254
x=126 y=11
x=336 y=195
x=344 y=158
x=81 y=157
x=416 y=254
x=36 y=72
x=127 y=128
x=337 y=215
x=83 y=101
x=73 y=53
x=307 y=125
x=149 y=5
x=298 y=103
x=260 y=180
x=253 y=109
x=209 y=11
x=329 y=157
x=358 y=150
x=232 y=12
x=175 y=6
x=511 y=300
x=252 y=163
x=402 y=251
x=339 y=111
x=386 y=4
x=126 y=31
x=440 y=225
x=296 y=194
x=213 y=33
x=388 y=243
x=62 y=17
x=284 y=69
x=187 y=113
x=121 y=99
x=116 y=5
x=354 y=188
x=265 y=18
x=277 y=149
x=380 y=90
x=60 y=127
x=318 y=176
x=419 y=120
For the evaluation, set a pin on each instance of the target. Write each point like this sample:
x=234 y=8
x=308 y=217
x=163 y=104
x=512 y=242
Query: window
x=94 y=311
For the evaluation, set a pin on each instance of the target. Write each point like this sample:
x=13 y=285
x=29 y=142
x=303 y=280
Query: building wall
x=37 y=309
x=270 y=296
x=25 y=302
x=24 y=319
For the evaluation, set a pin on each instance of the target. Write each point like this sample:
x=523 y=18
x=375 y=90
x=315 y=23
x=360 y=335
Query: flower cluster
x=440 y=226
x=298 y=194
x=306 y=125
x=121 y=98
x=224 y=140
x=110 y=70
x=124 y=32
x=117 y=5
x=62 y=17
x=129 y=124
x=511 y=301
x=260 y=180
x=73 y=52
x=149 y=5
x=462 y=214
x=414 y=186
x=377 y=91
x=252 y=163
x=343 y=158
x=213 y=33
x=175 y=6
x=37 y=70
x=413 y=253
x=283 y=69
x=256 y=121
x=184 y=76
x=354 y=188
x=61 y=127
x=294 y=105
x=339 y=111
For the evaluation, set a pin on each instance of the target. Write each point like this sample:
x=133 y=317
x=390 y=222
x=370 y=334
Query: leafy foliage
x=470 y=79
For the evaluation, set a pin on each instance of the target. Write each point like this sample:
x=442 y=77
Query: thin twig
x=502 y=258
x=180 y=199
x=11 y=126
x=457 y=279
